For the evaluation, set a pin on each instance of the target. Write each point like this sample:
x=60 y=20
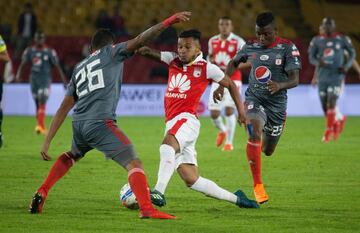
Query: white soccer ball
x=127 y=197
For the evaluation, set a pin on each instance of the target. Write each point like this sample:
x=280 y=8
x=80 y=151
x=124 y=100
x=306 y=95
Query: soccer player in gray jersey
x=94 y=90
x=327 y=53
x=42 y=58
x=275 y=65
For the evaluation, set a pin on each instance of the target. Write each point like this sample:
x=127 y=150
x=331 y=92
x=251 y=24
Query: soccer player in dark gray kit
x=275 y=65
x=94 y=90
x=327 y=53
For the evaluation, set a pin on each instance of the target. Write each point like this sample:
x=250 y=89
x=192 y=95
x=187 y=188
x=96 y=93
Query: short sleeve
x=167 y=57
x=210 y=49
x=241 y=43
x=214 y=72
x=241 y=56
x=71 y=88
x=292 y=58
x=2 y=45
x=26 y=55
x=119 y=52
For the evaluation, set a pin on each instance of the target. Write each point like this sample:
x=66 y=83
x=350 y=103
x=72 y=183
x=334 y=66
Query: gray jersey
x=331 y=51
x=96 y=83
x=271 y=63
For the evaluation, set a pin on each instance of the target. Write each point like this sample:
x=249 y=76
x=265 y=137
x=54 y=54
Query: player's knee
x=229 y=111
x=214 y=114
x=70 y=155
x=189 y=181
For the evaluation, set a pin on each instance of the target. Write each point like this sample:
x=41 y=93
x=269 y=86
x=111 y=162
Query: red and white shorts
x=226 y=101
x=186 y=128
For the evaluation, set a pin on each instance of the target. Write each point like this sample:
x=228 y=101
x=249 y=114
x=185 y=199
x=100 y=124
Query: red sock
x=253 y=152
x=41 y=116
x=58 y=170
x=139 y=186
x=330 y=118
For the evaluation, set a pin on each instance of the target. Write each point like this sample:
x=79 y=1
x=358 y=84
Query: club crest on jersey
x=328 y=52
x=262 y=74
x=197 y=72
x=278 y=61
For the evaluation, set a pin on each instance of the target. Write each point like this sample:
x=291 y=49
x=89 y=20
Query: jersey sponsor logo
x=262 y=74
x=264 y=57
x=197 y=72
x=179 y=83
x=329 y=43
x=36 y=61
x=222 y=58
x=328 y=52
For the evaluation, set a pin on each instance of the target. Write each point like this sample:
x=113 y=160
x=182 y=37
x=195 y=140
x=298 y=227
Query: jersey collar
x=230 y=36
x=276 y=41
x=198 y=58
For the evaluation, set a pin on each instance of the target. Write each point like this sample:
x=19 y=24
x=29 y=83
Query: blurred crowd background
x=68 y=25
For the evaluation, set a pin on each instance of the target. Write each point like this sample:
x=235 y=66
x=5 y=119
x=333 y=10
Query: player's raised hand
x=218 y=94
x=44 y=152
x=273 y=87
x=176 y=18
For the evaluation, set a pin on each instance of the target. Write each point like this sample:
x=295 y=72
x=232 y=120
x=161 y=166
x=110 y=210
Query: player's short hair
x=225 y=18
x=101 y=38
x=264 y=19
x=191 y=33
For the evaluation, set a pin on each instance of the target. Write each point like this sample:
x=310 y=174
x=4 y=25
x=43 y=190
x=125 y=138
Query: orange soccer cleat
x=154 y=213
x=220 y=138
x=260 y=194
x=228 y=147
x=40 y=130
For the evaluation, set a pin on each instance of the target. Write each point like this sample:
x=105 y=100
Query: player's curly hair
x=101 y=38
x=264 y=19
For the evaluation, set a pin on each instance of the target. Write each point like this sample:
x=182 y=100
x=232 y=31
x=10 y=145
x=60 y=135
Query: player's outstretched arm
x=66 y=105
x=235 y=95
x=292 y=81
x=150 y=34
x=148 y=52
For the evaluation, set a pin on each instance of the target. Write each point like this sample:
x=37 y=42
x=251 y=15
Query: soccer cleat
x=154 y=213
x=40 y=130
x=244 y=202
x=1 y=139
x=328 y=133
x=220 y=138
x=260 y=194
x=228 y=147
x=37 y=203
x=157 y=198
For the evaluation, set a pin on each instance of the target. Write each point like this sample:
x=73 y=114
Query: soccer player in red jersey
x=222 y=48
x=189 y=75
x=94 y=90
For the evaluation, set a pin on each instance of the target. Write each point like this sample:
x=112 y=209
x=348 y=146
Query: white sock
x=218 y=122
x=210 y=188
x=339 y=116
x=166 y=167
x=230 y=128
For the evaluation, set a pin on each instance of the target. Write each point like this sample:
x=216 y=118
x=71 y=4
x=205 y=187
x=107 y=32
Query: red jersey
x=187 y=83
x=223 y=51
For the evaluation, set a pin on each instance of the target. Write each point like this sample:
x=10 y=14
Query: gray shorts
x=330 y=89
x=274 y=121
x=103 y=135
x=40 y=88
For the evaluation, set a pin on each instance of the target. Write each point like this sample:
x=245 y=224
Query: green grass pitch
x=313 y=187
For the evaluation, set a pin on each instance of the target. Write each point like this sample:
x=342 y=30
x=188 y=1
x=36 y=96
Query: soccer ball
x=127 y=197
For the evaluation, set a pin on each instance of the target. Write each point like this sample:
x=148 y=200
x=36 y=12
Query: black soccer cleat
x=244 y=202
x=157 y=198
x=37 y=203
